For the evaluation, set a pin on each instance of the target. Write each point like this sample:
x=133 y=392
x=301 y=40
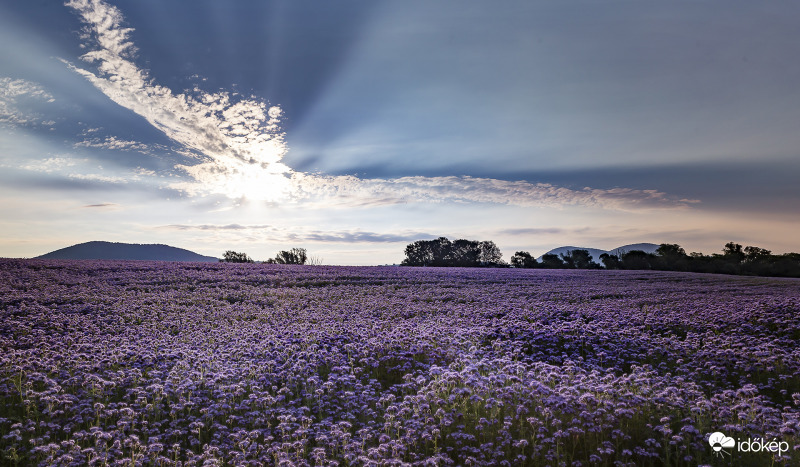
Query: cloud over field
x=239 y=146
x=282 y=234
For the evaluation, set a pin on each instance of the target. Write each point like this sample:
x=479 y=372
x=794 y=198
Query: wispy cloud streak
x=51 y=164
x=352 y=190
x=537 y=231
x=113 y=143
x=273 y=233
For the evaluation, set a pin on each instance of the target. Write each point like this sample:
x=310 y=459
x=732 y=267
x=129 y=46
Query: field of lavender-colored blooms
x=151 y=363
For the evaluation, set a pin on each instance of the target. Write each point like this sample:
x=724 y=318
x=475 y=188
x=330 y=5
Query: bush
x=231 y=256
x=293 y=256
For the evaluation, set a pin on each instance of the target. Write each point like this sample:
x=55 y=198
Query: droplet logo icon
x=719 y=442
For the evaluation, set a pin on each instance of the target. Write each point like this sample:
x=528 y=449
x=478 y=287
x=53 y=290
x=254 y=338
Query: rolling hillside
x=126 y=251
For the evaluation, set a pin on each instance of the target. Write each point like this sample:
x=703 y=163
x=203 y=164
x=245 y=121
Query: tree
x=551 y=261
x=583 y=260
x=231 y=256
x=566 y=260
x=637 y=259
x=670 y=249
x=443 y=252
x=293 y=256
x=578 y=259
x=753 y=254
x=418 y=253
x=611 y=261
x=489 y=254
x=733 y=252
x=730 y=261
x=440 y=249
x=465 y=253
x=672 y=257
x=523 y=259
x=787 y=264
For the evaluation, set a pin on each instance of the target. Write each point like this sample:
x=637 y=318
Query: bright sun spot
x=239 y=179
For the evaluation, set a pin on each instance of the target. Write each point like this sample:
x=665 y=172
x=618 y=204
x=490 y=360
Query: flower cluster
x=146 y=363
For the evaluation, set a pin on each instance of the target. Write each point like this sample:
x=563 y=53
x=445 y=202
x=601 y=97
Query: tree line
x=443 y=252
x=293 y=256
x=734 y=258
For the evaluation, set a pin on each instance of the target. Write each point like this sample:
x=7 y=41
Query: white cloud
x=354 y=191
x=241 y=147
x=12 y=93
x=52 y=164
x=145 y=172
x=114 y=143
x=11 y=88
x=84 y=169
x=271 y=233
x=93 y=177
x=219 y=126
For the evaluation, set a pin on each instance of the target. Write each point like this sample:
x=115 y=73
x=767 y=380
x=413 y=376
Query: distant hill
x=595 y=253
x=126 y=251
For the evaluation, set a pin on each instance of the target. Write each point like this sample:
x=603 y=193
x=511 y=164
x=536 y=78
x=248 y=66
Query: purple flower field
x=139 y=363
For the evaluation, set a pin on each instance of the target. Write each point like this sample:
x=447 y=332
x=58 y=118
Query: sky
x=355 y=127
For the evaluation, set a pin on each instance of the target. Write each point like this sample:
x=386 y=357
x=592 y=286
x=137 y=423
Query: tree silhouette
x=669 y=257
x=733 y=252
x=610 y=261
x=637 y=259
x=551 y=261
x=753 y=254
x=231 y=256
x=489 y=253
x=672 y=257
x=440 y=249
x=418 y=253
x=670 y=249
x=463 y=253
x=443 y=252
x=523 y=259
x=578 y=259
x=293 y=256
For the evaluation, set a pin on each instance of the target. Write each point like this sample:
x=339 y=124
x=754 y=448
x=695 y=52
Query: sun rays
x=239 y=146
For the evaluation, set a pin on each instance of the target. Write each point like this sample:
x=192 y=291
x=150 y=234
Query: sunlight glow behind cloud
x=240 y=146
x=234 y=137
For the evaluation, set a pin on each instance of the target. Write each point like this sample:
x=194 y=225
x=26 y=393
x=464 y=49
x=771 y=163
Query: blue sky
x=353 y=128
